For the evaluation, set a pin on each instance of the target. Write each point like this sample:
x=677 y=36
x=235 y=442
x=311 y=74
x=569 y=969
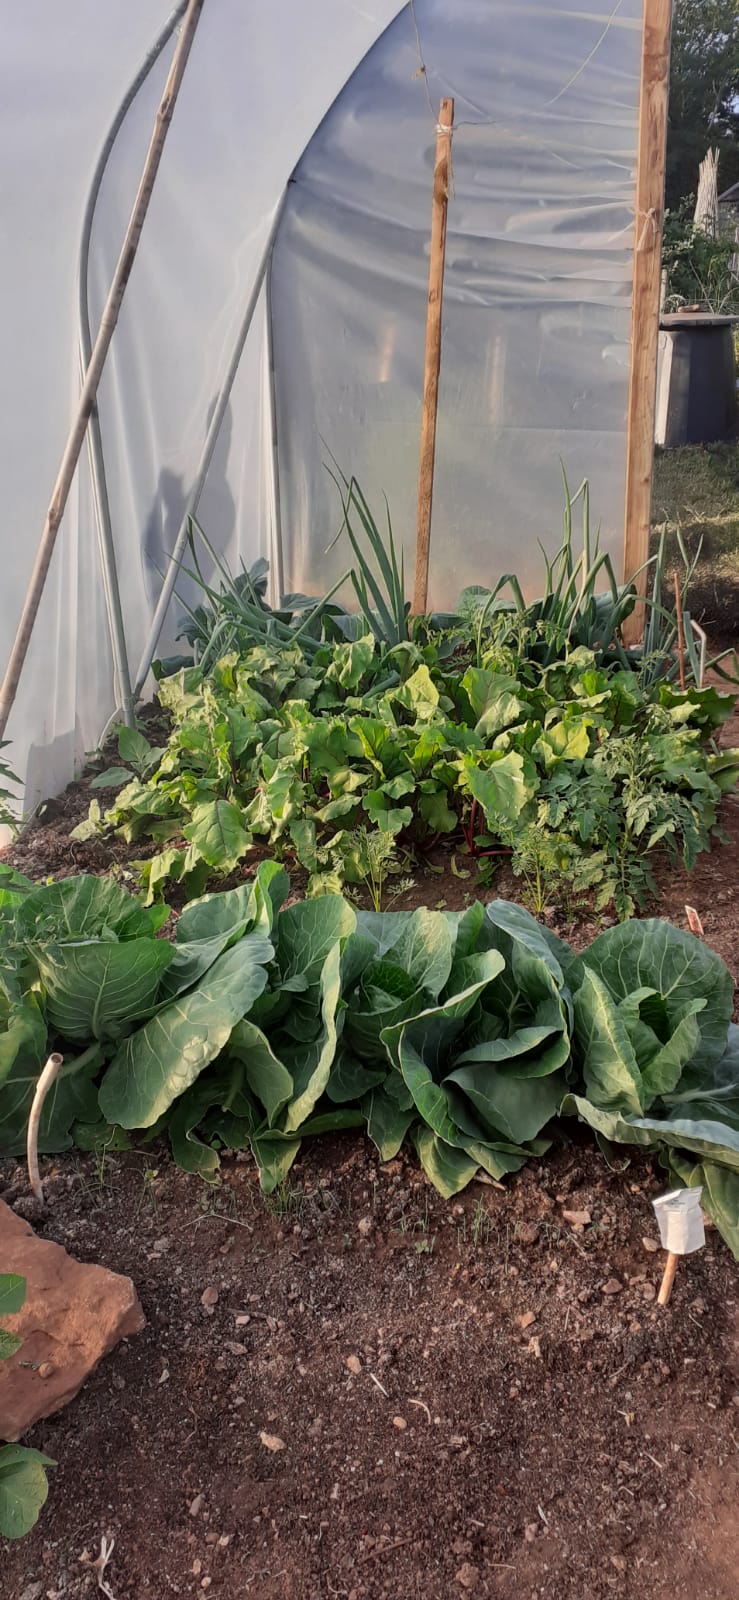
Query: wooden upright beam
x=433 y=354
x=650 y=193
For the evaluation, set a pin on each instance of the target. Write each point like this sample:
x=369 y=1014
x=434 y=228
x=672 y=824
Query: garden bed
x=563 y=1437
x=349 y=1385
x=591 y=1451
x=46 y=849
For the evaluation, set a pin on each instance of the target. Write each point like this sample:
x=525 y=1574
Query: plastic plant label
x=681 y=1221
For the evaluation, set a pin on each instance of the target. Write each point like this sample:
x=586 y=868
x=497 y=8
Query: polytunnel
x=276 y=309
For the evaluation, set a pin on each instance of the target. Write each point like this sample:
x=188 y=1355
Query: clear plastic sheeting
x=536 y=327
x=260 y=79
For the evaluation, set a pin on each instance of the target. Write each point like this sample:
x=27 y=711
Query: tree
x=704 y=93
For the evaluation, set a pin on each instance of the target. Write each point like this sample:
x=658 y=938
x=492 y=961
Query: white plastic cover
x=537 y=291
x=261 y=76
x=537 y=301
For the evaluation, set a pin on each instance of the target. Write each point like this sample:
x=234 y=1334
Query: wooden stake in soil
x=650 y=189
x=681 y=1231
x=665 y=1288
x=97 y=361
x=442 y=167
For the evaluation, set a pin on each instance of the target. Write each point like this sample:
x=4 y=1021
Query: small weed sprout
x=378 y=860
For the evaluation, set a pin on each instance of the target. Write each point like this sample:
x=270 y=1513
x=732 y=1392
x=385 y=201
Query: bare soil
x=393 y=1396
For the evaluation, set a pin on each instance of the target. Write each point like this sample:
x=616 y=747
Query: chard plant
x=303 y=756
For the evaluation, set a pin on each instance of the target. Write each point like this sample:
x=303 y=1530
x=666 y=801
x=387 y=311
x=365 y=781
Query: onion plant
x=378 y=579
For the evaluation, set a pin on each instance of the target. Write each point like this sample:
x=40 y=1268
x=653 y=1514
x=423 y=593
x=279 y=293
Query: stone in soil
x=73 y=1315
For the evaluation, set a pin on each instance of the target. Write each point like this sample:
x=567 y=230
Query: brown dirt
x=591 y=1452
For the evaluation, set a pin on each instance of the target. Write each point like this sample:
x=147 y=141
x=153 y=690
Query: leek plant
x=378 y=580
x=237 y=617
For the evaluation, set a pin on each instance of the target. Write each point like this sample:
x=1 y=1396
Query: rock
x=209 y=1298
x=527 y=1232
x=354 y=1364
x=364 y=1226
x=467 y=1576
x=32 y=1591
x=650 y=1245
x=400 y=1423
x=611 y=1287
x=530 y=1532
x=619 y=1562
x=526 y=1320
x=577 y=1219
x=73 y=1315
x=196 y=1505
x=272 y=1441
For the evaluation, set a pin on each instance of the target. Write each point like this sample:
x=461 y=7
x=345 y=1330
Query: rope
x=650 y=221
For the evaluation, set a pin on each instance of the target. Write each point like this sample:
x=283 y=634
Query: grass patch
x=696 y=488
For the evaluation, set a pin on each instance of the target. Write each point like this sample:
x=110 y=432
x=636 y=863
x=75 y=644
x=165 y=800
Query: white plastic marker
x=681 y=1231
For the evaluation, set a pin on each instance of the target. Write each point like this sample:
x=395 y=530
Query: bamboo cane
x=433 y=354
x=668 y=1278
x=108 y=322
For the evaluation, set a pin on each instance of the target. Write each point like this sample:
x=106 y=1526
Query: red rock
x=73 y=1315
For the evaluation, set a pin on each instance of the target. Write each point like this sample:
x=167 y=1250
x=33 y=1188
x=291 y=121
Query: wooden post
x=650 y=189
x=100 y=349
x=442 y=167
x=668 y=1278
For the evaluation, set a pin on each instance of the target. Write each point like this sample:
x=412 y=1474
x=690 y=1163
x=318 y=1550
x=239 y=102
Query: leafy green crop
x=468 y=1032
x=8 y=799
x=578 y=769
x=23 y=1482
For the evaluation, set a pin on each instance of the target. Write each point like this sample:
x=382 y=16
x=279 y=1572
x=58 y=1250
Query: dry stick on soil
x=48 y=1077
x=680 y=632
x=442 y=168
x=99 y=1565
x=385 y=1549
x=108 y=322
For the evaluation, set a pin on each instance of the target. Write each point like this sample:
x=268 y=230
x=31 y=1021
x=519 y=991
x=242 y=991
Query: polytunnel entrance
x=535 y=364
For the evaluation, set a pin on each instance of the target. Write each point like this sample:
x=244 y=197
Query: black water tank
x=696 y=379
